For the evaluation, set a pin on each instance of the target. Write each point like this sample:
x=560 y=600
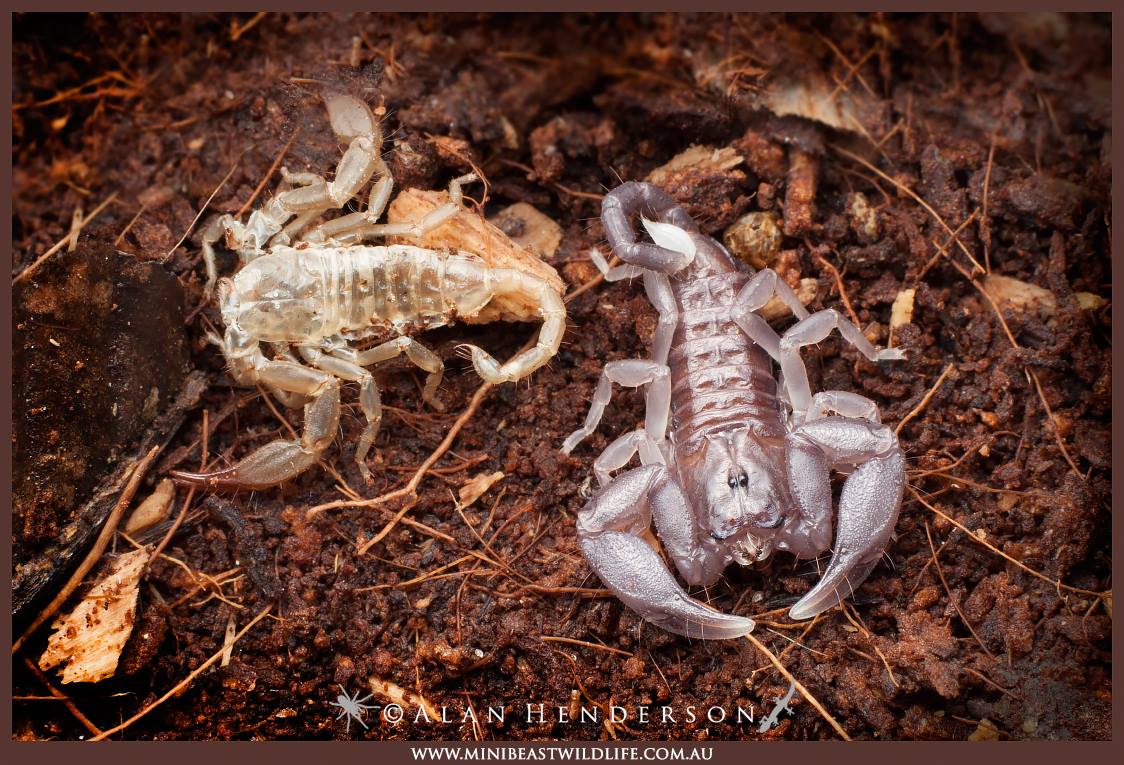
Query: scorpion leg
x=352 y=121
x=660 y=294
x=508 y=281
x=213 y=232
x=352 y=228
x=632 y=373
x=616 y=273
x=368 y=398
x=620 y=452
x=288 y=399
x=611 y=529
x=810 y=331
x=762 y=287
x=843 y=403
x=669 y=226
x=292 y=230
x=281 y=460
x=868 y=506
x=362 y=226
x=418 y=354
x=758 y=330
x=755 y=295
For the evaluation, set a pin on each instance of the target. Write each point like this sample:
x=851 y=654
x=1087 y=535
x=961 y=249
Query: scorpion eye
x=739 y=480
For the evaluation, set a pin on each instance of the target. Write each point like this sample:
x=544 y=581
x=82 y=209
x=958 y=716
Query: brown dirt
x=553 y=112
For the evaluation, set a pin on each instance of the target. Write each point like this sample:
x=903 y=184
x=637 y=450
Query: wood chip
x=800 y=196
x=90 y=638
x=985 y=731
x=901 y=312
x=529 y=228
x=1007 y=500
x=153 y=509
x=228 y=641
x=863 y=218
x=697 y=159
x=1087 y=301
x=396 y=694
x=1019 y=295
x=468 y=232
x=477 y=487
x=814 y=98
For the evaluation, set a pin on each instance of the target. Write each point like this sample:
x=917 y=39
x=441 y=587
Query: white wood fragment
x=1019 y=295
x=153 y=509
x=89 y=640
x=529 y=228
x=398 y=695
x=477 y=486
x=901 y=312
x=699 y=159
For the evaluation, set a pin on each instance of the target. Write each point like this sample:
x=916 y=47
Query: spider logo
x=351 y=707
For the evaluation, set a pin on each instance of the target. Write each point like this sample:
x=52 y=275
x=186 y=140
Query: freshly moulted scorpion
x=733 y=465
x=323 y=290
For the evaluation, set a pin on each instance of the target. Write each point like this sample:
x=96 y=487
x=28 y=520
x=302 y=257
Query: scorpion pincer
x=732 y=468
x=323 y=291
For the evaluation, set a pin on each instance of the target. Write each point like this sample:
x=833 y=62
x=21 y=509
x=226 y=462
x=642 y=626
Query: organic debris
x=153 y=509
x=1020 y=296
x=88 y=641
x=477 y=487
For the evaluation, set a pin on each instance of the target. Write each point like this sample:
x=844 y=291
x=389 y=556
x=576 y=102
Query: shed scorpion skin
x=320 y=291
x=728 y=473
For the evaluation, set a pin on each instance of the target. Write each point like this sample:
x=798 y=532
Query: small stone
x=985 y=731
x=863 y=218
x=755 y=238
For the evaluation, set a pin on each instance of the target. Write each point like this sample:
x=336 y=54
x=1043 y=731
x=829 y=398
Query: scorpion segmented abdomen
x=396 y=285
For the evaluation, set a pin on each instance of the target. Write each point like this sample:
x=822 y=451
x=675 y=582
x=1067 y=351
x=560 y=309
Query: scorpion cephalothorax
x=321 y=292
x=733 y=466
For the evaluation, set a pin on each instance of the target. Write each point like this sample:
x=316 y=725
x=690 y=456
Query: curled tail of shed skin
x=507 y=281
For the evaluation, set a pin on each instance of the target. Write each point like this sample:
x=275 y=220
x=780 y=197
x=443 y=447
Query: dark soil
x=1001 y=124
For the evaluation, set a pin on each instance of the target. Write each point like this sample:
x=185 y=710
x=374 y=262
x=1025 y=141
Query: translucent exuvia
x=311 y=296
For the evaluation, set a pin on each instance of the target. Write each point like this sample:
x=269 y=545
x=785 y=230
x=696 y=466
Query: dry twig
x=71 y=236
x=1057 y=583
x=948 y=591
x=56 y=693
x=183 y=684
x=914 y=196
x=924 y=401
x=268 y=174
x=206 y=204
x=572 y=641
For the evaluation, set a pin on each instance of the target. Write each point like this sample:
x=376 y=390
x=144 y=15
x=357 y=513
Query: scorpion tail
x=553 y=312
x=268 y=466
